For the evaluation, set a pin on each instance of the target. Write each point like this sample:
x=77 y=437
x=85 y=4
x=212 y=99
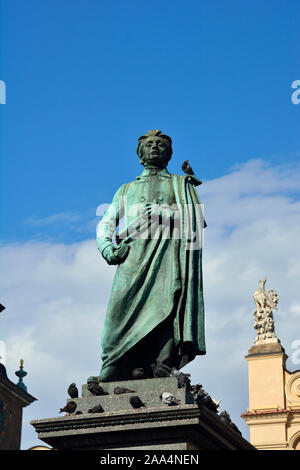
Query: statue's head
x=154 y=149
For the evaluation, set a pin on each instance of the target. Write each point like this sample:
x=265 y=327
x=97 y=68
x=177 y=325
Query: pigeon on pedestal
x=160 y=370
x=136 y=402
x=138 y=373
x=97 y=409
x=183 y=379
x=120 y=390
x=69 y=408
x=73 y=391
x=168 y=399
x=95 y=388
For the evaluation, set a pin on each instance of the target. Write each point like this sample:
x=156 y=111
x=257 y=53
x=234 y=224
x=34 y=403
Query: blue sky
x=84 y=80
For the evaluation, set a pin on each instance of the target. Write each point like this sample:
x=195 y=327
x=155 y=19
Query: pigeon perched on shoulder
x=73 y=391
x=95 y=388
x=138 y=373
x=160 y=370
x=186 y=167
x=69 y=408
x=97 y=409
x=168 y=399
x=120 y=390
x=136 y=402
x=183 y=379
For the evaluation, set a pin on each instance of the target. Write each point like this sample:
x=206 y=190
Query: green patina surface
x=156 y=311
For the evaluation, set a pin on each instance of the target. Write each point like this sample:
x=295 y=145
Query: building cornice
x=270 y=412
x=18 y=393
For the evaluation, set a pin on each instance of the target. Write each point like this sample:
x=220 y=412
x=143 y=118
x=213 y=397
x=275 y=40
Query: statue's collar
x=148 y=172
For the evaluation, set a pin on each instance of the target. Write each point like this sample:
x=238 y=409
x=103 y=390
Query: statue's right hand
x=115 y=254
x=108 y=254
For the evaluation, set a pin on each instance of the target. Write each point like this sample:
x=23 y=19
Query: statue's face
x=155 y=152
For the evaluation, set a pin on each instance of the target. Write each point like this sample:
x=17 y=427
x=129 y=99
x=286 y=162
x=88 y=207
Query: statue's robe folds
x=161 y=277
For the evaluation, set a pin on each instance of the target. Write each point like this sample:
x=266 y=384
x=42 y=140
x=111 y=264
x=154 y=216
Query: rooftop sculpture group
x=263 y=315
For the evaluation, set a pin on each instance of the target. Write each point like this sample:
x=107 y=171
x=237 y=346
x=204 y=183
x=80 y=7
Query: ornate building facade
x=273 y=415
x=13 y=398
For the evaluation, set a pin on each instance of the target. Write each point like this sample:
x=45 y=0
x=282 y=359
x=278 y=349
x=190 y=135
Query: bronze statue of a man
x=155 y=315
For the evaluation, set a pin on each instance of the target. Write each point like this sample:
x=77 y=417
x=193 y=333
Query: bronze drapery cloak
x=161 y=276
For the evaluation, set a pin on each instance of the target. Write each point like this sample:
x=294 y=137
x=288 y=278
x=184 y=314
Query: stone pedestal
x=153 y=427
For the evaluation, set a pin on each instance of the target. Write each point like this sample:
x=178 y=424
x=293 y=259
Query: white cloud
x=62 y=217
x=55 y=297
x=56 y=294
x=295 y=309
x=63 y=226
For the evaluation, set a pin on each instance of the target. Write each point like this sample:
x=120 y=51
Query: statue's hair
x=154 y=133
